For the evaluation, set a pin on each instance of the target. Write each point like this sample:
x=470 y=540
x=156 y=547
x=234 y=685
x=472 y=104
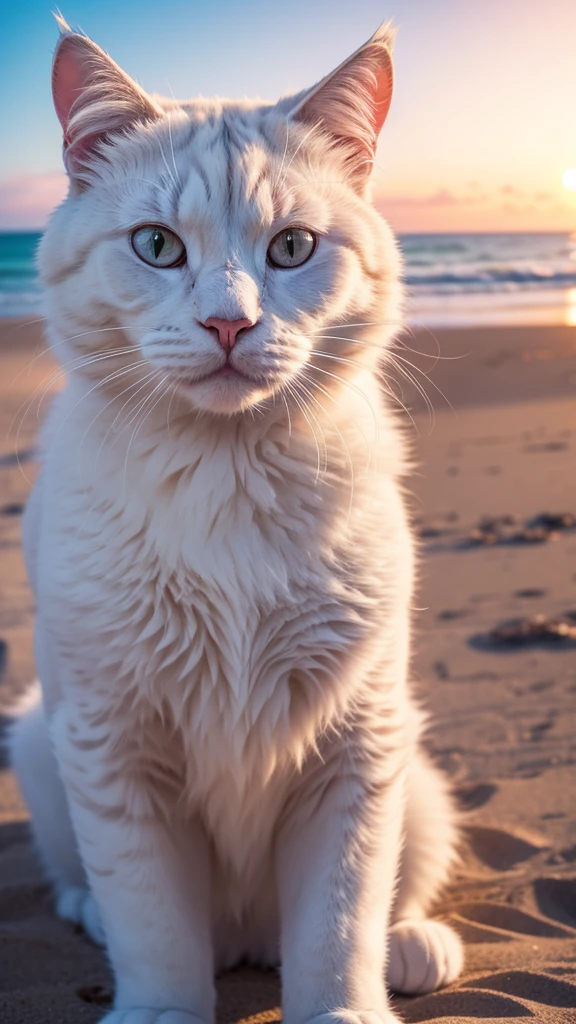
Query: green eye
x=291 y=248
x=158 y=246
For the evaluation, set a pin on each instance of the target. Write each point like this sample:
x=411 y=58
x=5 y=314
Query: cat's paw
x=79 y=906
x=423 y=956
x=149 y=1015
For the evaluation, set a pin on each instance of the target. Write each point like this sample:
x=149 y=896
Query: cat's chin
x=225 y=395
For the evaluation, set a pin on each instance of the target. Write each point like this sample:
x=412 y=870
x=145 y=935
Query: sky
x=482 y=126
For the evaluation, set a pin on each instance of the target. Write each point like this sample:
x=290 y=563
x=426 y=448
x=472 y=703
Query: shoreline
x=531 y=307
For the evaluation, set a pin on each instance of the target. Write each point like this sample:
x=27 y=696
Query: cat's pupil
x=290 y=244
x=158 y=243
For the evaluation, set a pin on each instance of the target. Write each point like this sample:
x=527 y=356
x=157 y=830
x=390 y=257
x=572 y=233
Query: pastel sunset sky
x=482 y=127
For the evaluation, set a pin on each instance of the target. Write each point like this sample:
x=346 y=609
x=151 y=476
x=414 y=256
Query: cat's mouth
x=225 y=373
x=225 y=390
x=231 y=372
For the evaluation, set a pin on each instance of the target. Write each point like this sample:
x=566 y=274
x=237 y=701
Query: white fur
x=223 y=572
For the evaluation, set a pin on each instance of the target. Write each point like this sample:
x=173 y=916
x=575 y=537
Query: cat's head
x=222 y=250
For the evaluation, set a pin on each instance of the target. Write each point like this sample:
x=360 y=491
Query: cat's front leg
x=151 y=881
x=337 y=858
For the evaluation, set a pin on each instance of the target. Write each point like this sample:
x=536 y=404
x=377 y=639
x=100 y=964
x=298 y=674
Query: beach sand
x=503 y=716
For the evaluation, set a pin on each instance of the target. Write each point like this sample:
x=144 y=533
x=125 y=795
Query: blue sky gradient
x=483 y=120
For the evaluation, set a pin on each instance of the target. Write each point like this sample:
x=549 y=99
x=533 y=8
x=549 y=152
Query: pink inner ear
x=68 y=80
x=85 y=81
x=383 y=94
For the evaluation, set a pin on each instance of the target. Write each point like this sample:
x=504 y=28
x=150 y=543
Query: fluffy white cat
x=225 y=763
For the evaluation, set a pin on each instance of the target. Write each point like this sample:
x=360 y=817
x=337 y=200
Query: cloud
x=443 y=197
x=472 y=208
x=27 y=199
x=523 y=197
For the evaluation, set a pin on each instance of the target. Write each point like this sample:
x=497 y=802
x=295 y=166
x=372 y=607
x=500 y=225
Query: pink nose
x=227 y=330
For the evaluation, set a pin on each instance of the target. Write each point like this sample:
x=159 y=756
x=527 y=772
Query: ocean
x=452 y=279
x=19 y=291
x=491 y=279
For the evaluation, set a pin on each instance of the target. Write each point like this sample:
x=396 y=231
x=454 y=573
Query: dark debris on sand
x=97 y=994
x=14 y=509
x=506 y=529
x=534 y=629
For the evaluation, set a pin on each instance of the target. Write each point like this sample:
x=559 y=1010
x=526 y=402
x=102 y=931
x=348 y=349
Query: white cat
x=226 y=761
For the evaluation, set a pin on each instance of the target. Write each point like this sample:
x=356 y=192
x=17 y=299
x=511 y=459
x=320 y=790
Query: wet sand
x=503 y=714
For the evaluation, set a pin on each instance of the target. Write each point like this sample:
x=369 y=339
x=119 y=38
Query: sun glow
x=570 y=310
x=569 y=179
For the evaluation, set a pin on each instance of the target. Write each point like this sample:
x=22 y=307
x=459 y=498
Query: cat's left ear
x=352 y=103
x=94 y=99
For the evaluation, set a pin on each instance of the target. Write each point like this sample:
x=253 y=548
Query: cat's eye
x=158 y=246
x=291 y=248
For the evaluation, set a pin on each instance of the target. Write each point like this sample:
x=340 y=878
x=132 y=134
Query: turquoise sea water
x=19 y=290
x=451 y=278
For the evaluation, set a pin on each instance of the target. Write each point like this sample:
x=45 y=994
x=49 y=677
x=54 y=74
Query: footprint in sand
x=531 y=985
x=464 y=1004
x=493 y=997
x=500 y=850
x=556 y=898
x=473 y=796
x=501 y=917
x=568 y=855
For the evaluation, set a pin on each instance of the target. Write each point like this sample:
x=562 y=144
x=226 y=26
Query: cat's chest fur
x=205 y=594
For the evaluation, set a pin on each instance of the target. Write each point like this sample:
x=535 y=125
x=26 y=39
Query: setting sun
x=569 y=179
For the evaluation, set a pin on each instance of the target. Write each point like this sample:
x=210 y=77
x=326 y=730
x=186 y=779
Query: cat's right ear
x=351 y=104
x=93 y=99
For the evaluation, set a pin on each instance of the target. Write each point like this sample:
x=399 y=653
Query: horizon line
x=463 y=231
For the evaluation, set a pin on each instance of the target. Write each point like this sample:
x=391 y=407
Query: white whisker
x=100 y=412
x=172 y=150
x=307 y=135
x=340 y=435
x=115 y=375
x=175 y=387
x=358 y=391
x=288 y=415
x=410 y=377
x=291 y=391
x=50 y=348
x=423 y=373
x=382 y=378
x=279 y=175
x=170 y=175
x=141 y=407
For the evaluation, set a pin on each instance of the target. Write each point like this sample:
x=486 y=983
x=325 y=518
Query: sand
x=504 y=720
